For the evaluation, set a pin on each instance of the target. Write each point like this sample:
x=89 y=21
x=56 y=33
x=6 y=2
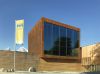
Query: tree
x=95 y=58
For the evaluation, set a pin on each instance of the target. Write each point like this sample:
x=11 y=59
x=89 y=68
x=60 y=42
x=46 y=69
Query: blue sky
x=84 y=14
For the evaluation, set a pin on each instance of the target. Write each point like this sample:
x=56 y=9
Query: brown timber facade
x=66 y=58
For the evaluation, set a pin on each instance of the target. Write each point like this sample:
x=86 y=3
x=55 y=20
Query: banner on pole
x=19 y=31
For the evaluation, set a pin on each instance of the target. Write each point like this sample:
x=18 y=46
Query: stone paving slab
x=39 y=73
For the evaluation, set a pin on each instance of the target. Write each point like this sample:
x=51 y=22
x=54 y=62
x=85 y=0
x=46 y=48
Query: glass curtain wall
x=60 y=41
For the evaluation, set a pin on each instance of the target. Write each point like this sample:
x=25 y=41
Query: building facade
x=23 y=61
x=91 y=57
x=54 y=41
x=60 y=41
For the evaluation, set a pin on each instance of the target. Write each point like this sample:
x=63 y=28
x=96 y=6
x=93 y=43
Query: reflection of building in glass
x=52 y=40
x=59 y=40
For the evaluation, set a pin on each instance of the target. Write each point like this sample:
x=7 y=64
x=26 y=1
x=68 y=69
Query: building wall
x=66 y=26
x=86 y=54
x=23 y=60
x=89 y=53
x=51 y=63
x=91 y=57
x=35 y=39
x=60 y=65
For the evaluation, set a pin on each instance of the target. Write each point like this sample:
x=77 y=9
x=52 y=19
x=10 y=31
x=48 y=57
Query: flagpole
x=14 y=56
x=19 y=25
x=15 y=47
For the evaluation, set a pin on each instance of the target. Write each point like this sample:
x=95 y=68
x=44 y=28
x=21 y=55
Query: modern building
x=53 y=46
x=91 y=57
x=55 y=42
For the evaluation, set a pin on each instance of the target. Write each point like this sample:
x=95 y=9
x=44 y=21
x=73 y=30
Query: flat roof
x=59 y=24
x=91 y=44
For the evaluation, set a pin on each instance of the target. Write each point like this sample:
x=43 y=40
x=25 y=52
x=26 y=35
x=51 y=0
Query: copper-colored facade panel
x=36 y=38
x=59 y=24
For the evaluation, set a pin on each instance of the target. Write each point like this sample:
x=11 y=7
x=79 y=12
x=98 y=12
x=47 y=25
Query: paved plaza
x=49 y=73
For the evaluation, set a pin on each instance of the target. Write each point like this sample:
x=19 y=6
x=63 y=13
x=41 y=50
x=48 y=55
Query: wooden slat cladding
x=35 y=39
x=59 y=65
x=49 y=62
x=60 y=57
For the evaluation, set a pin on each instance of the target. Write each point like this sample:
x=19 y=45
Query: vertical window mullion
x=52 y=37
x=59 y=41
x=66 y=41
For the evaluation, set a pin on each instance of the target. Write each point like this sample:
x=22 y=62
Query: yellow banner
x=19 y=31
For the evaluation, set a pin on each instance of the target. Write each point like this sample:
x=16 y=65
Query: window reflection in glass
x=48 y=38
x=55 y=40
x=63 y=42
x=60 y=41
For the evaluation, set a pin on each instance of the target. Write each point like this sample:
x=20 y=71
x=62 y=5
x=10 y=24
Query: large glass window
x=55 y=40
x=48 y=38
x=60 y=41
x=69 y=42
x=63 y=41
x=72 y=42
